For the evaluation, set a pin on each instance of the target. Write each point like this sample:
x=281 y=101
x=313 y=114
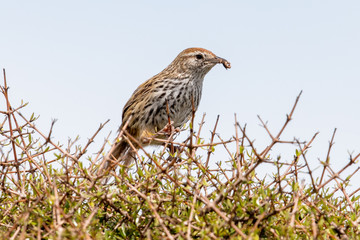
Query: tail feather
x=119 y=150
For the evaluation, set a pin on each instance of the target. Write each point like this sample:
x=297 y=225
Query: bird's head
x=197 y=61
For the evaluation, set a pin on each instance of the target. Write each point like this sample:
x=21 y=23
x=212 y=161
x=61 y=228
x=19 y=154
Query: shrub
x=52 y=191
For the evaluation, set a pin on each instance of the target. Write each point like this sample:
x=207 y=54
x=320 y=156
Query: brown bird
x=177 y=87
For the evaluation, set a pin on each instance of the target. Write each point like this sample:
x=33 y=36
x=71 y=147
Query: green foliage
x=49 y=191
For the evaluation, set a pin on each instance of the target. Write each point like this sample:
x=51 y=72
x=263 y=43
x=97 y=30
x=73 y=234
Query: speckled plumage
x=178 y=84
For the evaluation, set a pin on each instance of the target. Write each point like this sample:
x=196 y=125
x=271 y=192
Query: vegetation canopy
x=51 y=190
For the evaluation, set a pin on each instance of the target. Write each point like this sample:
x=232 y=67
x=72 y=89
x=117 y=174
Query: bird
x=171 y=94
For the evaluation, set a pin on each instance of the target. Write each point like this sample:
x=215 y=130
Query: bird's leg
x=169 y=130
x=166 y=133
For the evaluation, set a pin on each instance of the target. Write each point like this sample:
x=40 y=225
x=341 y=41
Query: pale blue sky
x=79 y=61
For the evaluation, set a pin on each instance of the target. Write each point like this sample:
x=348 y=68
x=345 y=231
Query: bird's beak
x=223 y=61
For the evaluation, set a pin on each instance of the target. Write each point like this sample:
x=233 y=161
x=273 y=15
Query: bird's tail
x=120 y=153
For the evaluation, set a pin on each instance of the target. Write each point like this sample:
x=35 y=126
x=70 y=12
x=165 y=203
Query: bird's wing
x=137 y=98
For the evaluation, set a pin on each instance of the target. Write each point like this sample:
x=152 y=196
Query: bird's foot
x=169 y=130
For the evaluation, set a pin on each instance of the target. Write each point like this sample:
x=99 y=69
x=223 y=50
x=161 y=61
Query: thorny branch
x=52 y=191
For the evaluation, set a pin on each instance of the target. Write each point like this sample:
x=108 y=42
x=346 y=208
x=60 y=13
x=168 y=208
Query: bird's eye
x=199 y=56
